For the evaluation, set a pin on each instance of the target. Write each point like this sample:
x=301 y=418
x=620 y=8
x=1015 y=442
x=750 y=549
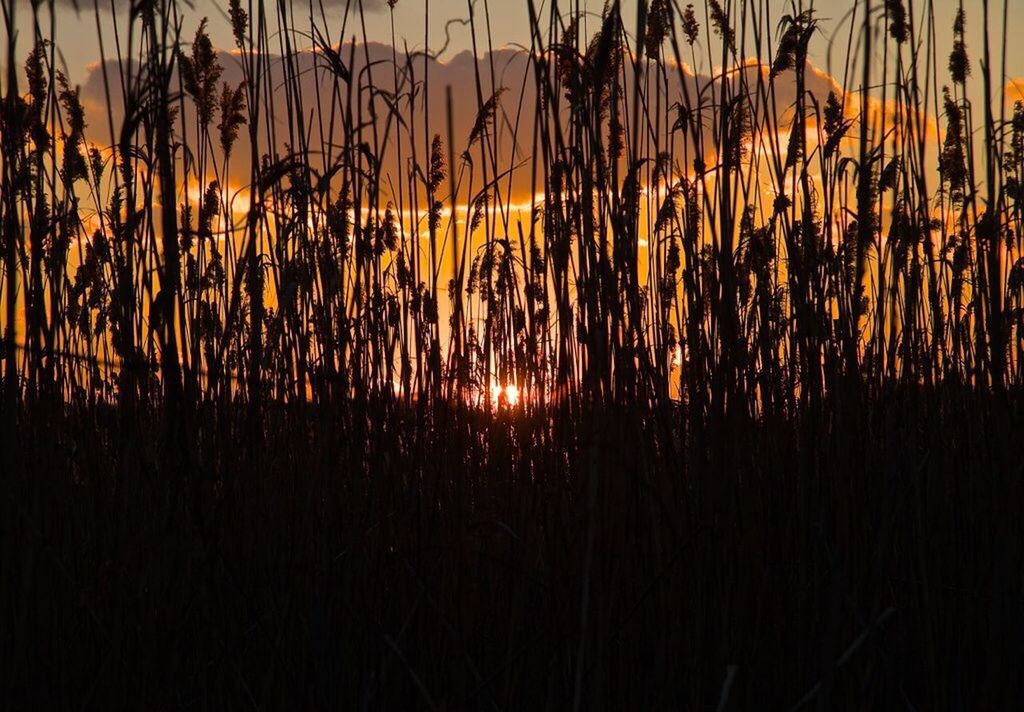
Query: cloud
x=517 y=107
x=1014 y=90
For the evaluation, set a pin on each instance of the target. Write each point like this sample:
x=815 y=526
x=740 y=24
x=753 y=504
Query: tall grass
x=304 y=408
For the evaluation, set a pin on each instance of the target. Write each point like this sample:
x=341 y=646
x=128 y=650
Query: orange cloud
x=514 y=115
x=1014 y=90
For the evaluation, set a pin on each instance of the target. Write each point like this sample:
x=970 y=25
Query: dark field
x=861 y=557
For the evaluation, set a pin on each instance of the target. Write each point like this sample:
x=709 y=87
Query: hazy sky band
x=509 y=25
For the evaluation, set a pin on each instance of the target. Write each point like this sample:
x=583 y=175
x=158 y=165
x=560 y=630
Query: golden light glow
x=677 y=356
x=505 y=395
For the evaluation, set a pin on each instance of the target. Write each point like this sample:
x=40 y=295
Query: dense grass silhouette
x=305 y=405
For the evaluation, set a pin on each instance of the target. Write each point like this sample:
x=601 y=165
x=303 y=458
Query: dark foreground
x=387 y=558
